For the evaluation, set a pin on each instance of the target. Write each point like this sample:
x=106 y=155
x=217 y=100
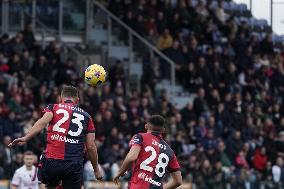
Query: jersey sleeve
x=49 y=108
x=90 y=126
x=136 y=140
x=173 y=165
x=16 y=181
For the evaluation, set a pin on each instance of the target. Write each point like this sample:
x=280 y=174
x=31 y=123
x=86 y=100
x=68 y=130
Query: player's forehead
x=28 y=157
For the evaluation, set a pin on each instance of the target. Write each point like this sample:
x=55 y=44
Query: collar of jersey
x=158 y=134
x=69 y=102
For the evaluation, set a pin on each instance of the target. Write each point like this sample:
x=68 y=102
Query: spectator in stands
x=4 y=109
x=165 y=40
x=220 y=13
x=17 y=45
x=139 y=25
x=218 y=176
x=277 y=172
x=241 y=161
x=177 y=57
x=5 y=46
x=17 y=163
x=7 y=156
x=199 y=104
x=234 y=146
x=260 y=159
x=224 y=158
x=161 y=22
x=28 y=37
x=279 y=145
x=206 y=174
x=200 y=129
x=267 y=45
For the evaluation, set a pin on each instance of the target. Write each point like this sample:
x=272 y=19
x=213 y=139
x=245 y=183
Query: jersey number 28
x=77 y=120
x=163 y=161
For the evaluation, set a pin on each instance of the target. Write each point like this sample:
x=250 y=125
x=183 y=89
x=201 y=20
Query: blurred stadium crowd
x=233 y=131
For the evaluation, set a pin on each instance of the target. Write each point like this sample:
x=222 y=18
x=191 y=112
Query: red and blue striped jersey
x=155 y=159
x=66 y=132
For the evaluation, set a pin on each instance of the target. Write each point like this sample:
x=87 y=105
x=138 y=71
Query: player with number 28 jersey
x=155 y=159
x=151 y=158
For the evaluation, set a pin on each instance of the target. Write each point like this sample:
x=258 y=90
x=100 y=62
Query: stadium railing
x=113 y=19
x=56 y=15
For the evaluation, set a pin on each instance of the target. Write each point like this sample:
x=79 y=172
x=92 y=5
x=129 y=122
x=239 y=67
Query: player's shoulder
x=168 y=148
x=48 y=107
x=20 y=169
x=86 y=114
x=142 y=136
x=138 y=136
x=137 y=139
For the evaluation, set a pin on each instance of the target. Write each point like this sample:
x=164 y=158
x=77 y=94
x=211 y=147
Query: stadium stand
x=231 y=134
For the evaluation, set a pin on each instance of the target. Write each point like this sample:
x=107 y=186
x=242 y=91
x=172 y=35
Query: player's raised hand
x=18 y=141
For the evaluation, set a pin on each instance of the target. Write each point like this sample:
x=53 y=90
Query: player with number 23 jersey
x=66 y=131
x=69 y=128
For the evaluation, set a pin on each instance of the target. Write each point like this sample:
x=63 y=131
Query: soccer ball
x=95 y=74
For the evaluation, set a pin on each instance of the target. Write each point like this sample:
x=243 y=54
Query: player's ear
x=146 y=126
x=164 y=130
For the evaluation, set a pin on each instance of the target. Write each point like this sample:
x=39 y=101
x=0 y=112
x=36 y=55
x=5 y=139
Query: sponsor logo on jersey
x=147 y=178
x=63 y=139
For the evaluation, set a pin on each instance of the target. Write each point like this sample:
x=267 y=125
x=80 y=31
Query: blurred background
x=213 y=68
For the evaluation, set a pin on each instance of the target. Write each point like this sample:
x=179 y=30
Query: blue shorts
x=52 y=171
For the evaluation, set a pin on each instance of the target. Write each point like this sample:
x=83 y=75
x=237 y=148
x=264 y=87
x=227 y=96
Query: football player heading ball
x=68 y=126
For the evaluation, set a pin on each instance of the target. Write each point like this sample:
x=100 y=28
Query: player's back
x=155 y=159
x=66 y=131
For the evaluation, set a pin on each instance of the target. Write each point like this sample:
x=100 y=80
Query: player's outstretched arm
x=37 y=127
x=175 y=182
x=130 y=158
x=93 y=154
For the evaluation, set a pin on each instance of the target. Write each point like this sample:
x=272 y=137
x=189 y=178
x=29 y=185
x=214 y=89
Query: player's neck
x=155 y=132
x=68 y=101
x=29 y=168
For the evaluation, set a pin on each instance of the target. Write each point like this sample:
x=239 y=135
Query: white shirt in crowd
x=276 y=173
x=25 y=179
